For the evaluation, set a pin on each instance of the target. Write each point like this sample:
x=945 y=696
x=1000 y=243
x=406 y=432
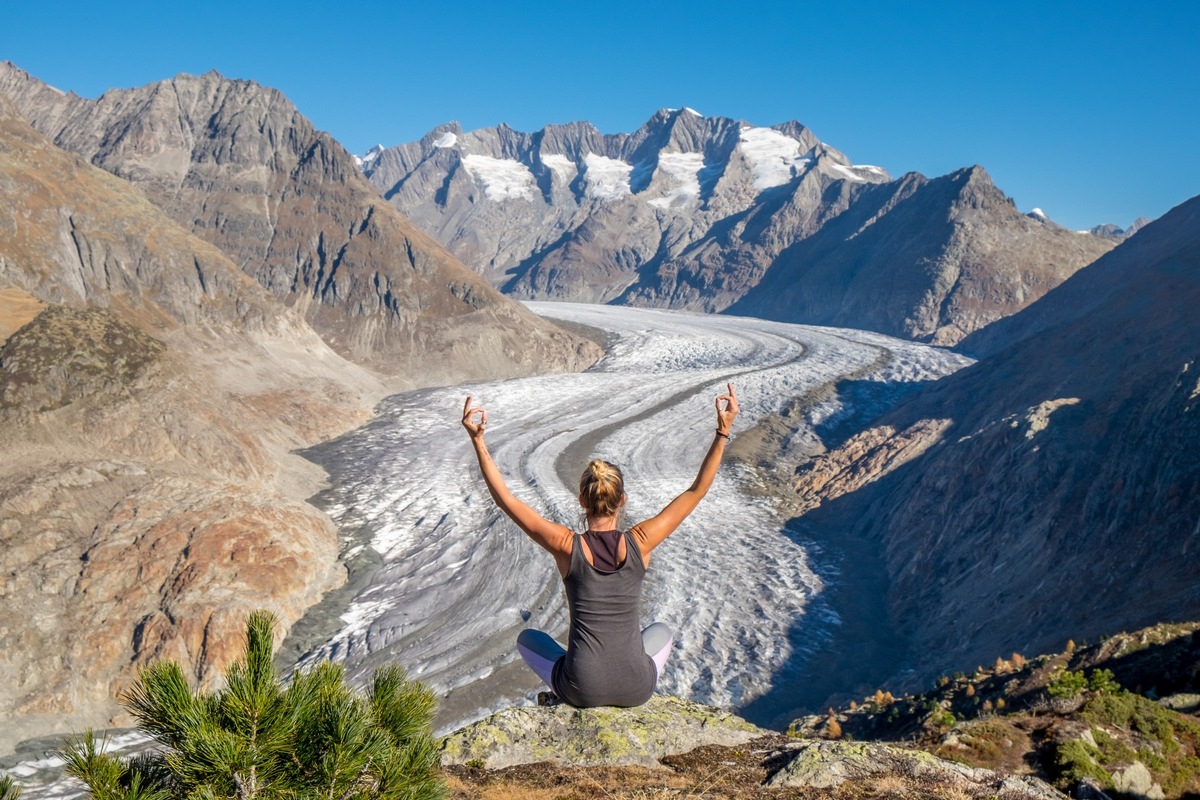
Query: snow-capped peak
x=370 y=157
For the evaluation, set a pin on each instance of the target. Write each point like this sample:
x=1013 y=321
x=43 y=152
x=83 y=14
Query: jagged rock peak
x=676 y=130
x=1110 y=231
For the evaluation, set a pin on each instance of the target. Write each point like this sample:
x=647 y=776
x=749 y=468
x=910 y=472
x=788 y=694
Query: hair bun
x=601 y=488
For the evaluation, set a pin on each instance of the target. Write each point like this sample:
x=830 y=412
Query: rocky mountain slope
x=713 y=214
x=236 y=164
x=670 y=747
x=151 y=395
x=1119 y=716
x=932 y=260
x=1051 y=490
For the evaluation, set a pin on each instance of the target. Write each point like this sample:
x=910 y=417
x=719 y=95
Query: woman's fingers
x=731 y=403
x=468 y=418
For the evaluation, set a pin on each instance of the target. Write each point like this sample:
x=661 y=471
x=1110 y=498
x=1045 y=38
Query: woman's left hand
x=725 y=416
x=474 y=429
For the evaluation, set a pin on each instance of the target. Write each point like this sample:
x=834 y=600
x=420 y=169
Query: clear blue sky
x=1089 y=110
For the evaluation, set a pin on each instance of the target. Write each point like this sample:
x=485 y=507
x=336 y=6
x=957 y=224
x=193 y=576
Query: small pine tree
x=1018 y=661
x=258 y=739
x=1001 y=703
x=970 y=692
x=9 y=790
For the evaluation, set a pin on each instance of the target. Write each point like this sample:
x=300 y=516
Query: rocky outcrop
x=828 y=765
x=151 y=395
x=237 y=165
x=685 y=736
x=712 y=214
x=584 y=737
x=1051 y=490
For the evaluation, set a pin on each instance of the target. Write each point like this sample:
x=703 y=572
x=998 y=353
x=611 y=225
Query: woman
x=607 y=662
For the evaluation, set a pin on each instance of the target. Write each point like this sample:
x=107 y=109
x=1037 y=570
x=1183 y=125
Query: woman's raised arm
x=553 y=537
x=651 y=533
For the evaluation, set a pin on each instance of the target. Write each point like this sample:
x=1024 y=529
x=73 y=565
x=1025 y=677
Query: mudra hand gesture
x=474 y=429
x=725 y=415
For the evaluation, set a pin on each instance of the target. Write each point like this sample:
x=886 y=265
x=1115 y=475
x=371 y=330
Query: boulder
x=1136 y=781
x=826 y=765
x=591 y=736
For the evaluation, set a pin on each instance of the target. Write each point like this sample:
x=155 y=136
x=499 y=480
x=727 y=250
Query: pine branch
x=9 y=790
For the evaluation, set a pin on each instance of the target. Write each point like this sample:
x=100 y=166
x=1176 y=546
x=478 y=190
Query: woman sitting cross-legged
x=608 y=661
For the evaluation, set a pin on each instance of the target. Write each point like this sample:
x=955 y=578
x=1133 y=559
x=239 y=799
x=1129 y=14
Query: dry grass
x=707 y=773
x=17 y=308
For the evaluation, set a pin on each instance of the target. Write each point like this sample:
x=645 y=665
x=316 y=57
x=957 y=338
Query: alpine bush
x=258 y=739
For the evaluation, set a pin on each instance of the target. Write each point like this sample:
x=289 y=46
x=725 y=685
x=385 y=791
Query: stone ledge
x=593 y=736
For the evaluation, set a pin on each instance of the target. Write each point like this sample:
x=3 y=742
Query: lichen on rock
x=827 y=765
x=589 y=736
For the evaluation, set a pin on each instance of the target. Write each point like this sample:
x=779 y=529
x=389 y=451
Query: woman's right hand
x=725 y=416
x=474 y=429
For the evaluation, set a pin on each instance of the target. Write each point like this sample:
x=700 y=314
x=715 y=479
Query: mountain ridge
x=1049 y=488
x=152 y=395
x=698 y=213
x=239 y=165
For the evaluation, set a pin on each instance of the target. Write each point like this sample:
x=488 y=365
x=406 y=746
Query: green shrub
x=8 y=789
x=943 y=719
x=1101 y=681
x=258 y=739
x=1066 y=684
x=1075 y=760
x=1133 y=712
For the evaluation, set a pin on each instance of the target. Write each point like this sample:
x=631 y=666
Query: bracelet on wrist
x=719 y=433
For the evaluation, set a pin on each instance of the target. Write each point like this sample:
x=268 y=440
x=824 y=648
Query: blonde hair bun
x=601 y=488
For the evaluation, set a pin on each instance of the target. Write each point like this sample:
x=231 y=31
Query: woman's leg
x=656 y=641
x=540 y=652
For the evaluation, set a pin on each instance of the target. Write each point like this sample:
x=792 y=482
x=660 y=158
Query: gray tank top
x=605 y=664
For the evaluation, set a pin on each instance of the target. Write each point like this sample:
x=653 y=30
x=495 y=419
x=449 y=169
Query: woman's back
x=605 y=664
x=607 y=661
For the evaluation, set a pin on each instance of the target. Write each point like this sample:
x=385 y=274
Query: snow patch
x=692 y=111
x=607 y=178
x=370 y=158
x=847 y=172
x=1037 y=212
x=682 y=171
x=563 y=167
x=501 y=178
x=447 y=139
x=774 y=157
